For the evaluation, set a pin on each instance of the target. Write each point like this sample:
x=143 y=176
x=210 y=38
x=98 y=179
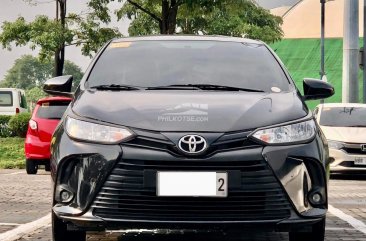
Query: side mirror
x=60 y=86
x=315 y=89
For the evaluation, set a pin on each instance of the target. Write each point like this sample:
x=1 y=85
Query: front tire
x=317 y=233
x=31 y=167
x=60 y=232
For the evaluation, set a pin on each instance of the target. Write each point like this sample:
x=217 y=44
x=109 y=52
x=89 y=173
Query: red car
x=45 y=118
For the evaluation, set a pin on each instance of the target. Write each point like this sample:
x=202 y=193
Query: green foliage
x=12 y=153
x=241 y=18
x=89 y=33
x=29 y=72
x=43 y=32
x=49 y=35
x=143 y=25
x=33 y=95
x=4 y=126
x=18 y=124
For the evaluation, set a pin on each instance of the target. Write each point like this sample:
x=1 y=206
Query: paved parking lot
x=25 y=207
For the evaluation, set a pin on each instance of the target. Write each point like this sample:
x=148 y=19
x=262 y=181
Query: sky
x=12 y=9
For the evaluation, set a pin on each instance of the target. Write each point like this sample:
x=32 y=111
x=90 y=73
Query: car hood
x=186 y=110
x=345 y=134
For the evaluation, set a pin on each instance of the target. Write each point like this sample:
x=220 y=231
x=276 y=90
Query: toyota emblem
x=192 y=144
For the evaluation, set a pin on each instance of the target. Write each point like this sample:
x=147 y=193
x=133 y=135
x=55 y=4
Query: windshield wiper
x=173 y=87
x=204 y=87
x=115 y=87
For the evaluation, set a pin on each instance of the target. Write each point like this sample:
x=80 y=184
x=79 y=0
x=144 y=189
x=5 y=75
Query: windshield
x=52 y=110
x=343 y=116
x=164 y=63
x=6 y=98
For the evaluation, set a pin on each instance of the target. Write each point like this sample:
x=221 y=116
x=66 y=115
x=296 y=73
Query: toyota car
x=188 y=133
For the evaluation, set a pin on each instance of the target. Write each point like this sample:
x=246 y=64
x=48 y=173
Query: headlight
x=335 y=145
x=297 y=132
x=92 y=132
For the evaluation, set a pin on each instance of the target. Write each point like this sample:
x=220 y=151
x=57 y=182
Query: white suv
x=12 y=101
x=344 y=125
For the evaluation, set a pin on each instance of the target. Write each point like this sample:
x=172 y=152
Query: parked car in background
x=188 y=132
x=45 y=118
x=12 y=101
x=344 y=125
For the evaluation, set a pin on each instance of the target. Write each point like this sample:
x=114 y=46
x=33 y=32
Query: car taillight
x=33 y=125
x=17 y=111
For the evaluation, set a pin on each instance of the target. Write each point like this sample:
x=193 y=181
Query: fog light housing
x=66 y=196
x=316 y=198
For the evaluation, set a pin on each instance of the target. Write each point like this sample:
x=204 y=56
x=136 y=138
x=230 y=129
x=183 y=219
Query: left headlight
x=297 y=132
x=92 y=132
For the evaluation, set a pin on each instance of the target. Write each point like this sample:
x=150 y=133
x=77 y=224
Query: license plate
x=192 y=184
x=360 y=161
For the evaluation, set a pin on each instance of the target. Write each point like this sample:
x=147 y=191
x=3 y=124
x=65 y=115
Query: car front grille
x=353 y=148
x=254 y=193
x=357 y=151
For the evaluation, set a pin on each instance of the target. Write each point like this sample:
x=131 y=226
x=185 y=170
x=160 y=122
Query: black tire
x=317 y=233
x=47 y=167
x=31 y=167
x=60 y=232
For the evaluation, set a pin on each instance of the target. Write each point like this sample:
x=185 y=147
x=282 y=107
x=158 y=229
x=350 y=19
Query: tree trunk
x=58 y=63
x=168 y=16
x=164 y=17
x=60 y=52
x=172 y=18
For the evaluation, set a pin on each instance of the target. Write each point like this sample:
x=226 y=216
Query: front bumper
x=114 y=186
x=342 y=161
x=89 y=222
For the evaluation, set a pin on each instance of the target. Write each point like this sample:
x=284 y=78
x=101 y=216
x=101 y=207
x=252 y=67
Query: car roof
x=10 y=89
x=53 y=98
x=188 y=38
x=342 y=105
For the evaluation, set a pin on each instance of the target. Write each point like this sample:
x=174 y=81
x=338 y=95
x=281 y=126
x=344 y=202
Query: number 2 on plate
x=221 y=183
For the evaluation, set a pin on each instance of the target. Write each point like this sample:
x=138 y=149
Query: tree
x=33 y=95
x=29 y=72
x=51 y=36
x=241 y=18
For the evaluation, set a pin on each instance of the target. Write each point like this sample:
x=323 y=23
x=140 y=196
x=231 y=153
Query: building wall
x=303 y=19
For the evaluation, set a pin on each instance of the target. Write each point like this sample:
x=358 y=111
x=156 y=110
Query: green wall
x=302 y=58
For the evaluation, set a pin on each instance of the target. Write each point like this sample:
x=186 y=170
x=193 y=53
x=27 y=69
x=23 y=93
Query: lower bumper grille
x=254 y=194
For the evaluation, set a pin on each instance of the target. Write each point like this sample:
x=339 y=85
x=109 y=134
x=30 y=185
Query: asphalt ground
x=25 y=213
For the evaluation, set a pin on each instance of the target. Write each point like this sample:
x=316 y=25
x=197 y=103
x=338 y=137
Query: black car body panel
x=164 y=109
x=113 y=186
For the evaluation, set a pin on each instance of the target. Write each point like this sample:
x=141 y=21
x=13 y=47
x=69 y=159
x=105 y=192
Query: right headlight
x=287 y=134
x=93 y=132
x=335 y=145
